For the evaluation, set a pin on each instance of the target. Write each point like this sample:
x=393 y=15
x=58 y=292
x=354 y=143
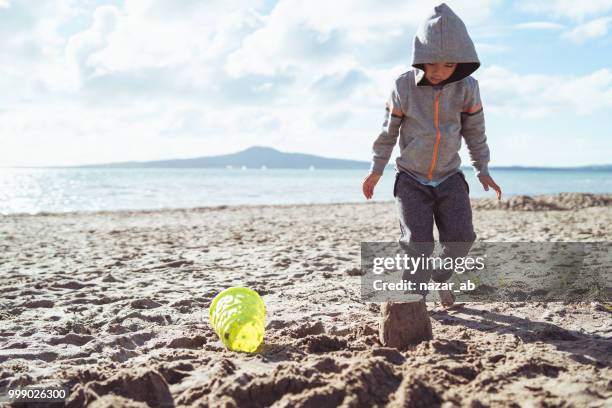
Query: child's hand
x=487 y=181
x=369 y=182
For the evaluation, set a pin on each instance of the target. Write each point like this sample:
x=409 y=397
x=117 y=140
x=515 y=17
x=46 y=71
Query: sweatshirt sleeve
x=473 y=131
x=385 y=142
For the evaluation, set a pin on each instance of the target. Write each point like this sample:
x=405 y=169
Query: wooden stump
x=404 y=323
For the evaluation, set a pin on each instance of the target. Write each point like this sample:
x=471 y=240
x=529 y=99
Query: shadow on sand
x=584 y=348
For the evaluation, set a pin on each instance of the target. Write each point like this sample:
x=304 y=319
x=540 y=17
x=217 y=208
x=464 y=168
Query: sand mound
x=562 y=201
x=143 y=385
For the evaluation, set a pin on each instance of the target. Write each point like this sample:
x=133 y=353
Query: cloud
x=591 y=29
x=539 y=25
x=579 y=12
x=575 y=10
x=81 y=48
x=339 y=85
x=331 y=119
x=148 y=47
x=537 y=96
x=301 y=36
x=490 y=48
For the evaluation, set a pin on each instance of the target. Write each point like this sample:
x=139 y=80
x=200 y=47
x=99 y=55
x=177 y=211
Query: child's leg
x=415 y=206
x=453 y=216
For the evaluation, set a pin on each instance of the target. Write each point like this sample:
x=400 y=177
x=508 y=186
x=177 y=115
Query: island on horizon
x=263 y=157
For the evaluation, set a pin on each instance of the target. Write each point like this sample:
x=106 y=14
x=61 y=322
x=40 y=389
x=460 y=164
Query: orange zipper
x=434 y=159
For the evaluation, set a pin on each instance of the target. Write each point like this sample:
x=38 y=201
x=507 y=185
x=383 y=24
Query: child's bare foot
x=446 y=298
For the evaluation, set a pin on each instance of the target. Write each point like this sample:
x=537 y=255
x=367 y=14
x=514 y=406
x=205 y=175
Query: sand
x=114 y=306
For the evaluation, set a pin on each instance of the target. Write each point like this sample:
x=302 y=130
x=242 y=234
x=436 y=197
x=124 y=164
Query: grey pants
x=448 y=205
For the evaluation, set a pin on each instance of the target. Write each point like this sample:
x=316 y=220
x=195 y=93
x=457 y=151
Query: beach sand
x=114 y=306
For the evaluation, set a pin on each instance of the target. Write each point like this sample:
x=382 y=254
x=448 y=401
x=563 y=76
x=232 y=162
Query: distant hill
x=260 y=156
x=253 y=157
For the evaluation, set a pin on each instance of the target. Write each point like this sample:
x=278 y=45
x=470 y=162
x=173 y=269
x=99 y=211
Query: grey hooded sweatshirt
x=435 y=117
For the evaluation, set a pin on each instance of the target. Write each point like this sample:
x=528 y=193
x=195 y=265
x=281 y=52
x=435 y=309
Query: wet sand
x=114 y=305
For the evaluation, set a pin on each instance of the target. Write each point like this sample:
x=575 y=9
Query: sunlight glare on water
x=35 y=190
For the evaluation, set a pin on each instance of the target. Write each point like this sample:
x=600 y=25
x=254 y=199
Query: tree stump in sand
x=404 y=323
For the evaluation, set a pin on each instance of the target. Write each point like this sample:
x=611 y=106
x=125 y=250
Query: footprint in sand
x=130 y=341
x=70 y=338
x=16 y=345
x=174 y=371
x=327 y=365
x=158 y=319
x=307 y=329
x=40 y=303
x=173 y=264
x=145 y=385
x=257 y=287
x=321 y=343
x=355 y=271
x=110 y=278
x=46 y=356
x=145 y=303
x=277 y=324
x=195 y=342
x=122 y=355
x=72 y=284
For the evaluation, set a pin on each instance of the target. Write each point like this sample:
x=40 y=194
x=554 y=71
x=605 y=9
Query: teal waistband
x=432 y=183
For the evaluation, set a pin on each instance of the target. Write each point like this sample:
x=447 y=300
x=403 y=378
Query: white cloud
x=539 y=25
x=77 y=63
x=300 y=36
x=576 y=10
x=490 y=48
x=533 y=95
x=591 y=29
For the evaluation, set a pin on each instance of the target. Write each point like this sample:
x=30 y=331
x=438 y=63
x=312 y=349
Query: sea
x=50 y=190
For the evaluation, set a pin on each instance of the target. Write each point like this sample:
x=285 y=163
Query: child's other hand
x=369 y=182
x=487 y=181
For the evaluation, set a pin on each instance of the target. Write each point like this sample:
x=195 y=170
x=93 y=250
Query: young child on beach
x=431 y=107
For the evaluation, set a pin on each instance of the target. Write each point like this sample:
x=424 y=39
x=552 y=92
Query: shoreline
x=540 y=202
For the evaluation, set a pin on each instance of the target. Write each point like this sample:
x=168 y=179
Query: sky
x=86 y=81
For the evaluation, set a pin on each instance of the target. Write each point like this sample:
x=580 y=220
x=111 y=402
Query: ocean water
x=35 y=190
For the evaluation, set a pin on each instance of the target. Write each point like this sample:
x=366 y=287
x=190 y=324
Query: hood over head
x=443 y=37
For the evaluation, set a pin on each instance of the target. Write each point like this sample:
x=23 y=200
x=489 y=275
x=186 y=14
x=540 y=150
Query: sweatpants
x=419 y=206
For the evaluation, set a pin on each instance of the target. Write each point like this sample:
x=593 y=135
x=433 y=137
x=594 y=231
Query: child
x=430 y=108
